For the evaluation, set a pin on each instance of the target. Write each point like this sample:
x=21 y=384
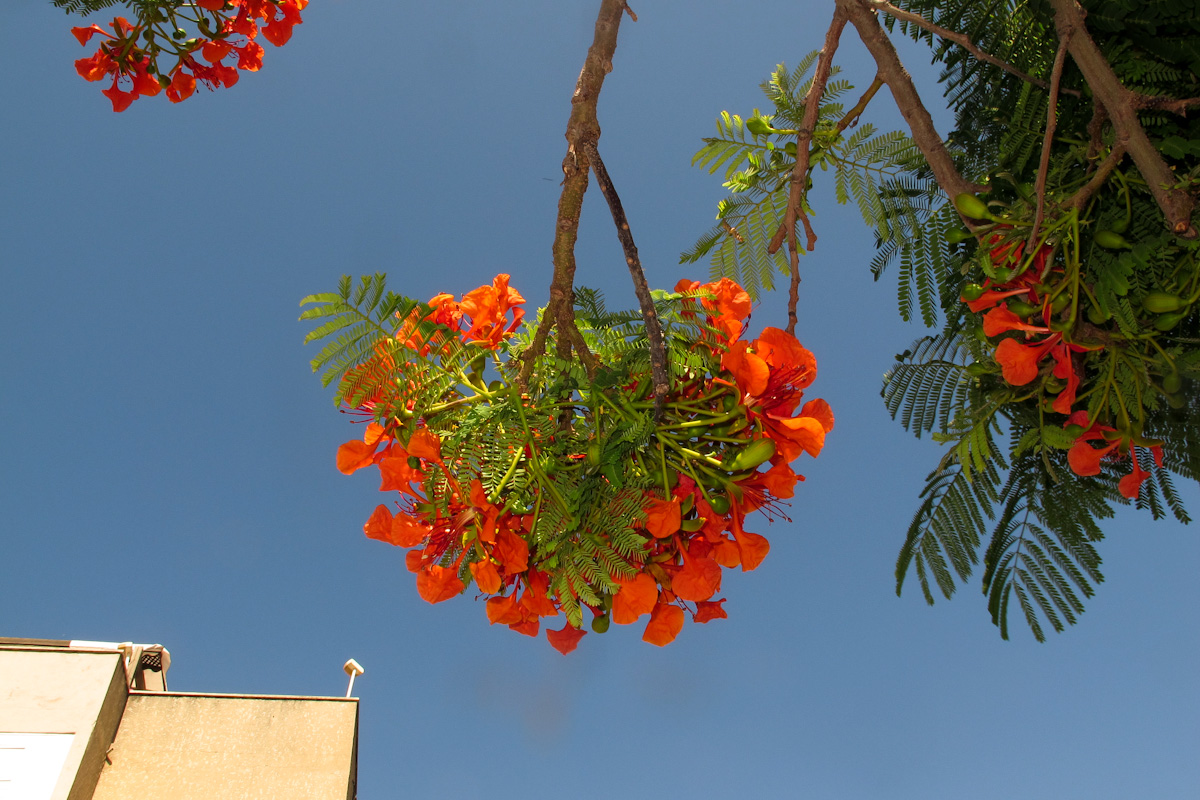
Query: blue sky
x=167 y=458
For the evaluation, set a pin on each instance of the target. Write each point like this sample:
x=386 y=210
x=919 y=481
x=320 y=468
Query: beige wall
x=57 y=691
x=200 y=747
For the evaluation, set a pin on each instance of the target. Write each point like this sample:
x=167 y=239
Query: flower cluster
x=514 y=519
x=1031 y=308
x=130 y=54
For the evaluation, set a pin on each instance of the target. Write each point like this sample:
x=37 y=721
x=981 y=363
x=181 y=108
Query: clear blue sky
x=167 y=459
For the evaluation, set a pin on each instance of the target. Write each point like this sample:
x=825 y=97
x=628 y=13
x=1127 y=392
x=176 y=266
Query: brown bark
x=658 y=351
x=582 y=125
x=1121 y=105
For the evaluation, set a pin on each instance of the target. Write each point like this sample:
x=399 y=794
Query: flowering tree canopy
x=610 y=460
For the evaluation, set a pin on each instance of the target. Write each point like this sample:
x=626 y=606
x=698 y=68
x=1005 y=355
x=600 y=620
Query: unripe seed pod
x=600 y=624
x=1111 y=240
x=414 y=462
x=752 y=455
x=1161 y=303
x=719 y=502
x=1021 y=308
x=972 y=291
x=958 y=235
x=1166 y=322
x=757 y=126
x=971 y=206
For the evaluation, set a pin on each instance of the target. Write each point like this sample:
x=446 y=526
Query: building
x=95 y=721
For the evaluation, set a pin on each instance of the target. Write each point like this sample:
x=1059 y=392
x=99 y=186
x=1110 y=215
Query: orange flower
x=566 y=640
x=751 y=547
x=536 y=599
x=379 y=526
x=436 y=584
x=353 y=456
x=698 y=579
x=486 y=576
x=781 y=350
x=749 y=370
x=1018 y=362
x=512 y=551
x=1001 y=319
x=425 y=444
x=636 y=597
x=710 y=610
x=487 y=307
x=503 y=610
x=408 y=531
x=663 y=517
x=666 y=621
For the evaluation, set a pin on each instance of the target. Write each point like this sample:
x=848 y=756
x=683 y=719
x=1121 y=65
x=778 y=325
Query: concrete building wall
x=200 y=747
x=73 y=692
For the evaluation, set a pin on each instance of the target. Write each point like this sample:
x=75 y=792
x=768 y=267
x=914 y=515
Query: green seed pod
x=1111 y=240
x=414 y=462
x=179 y=33
x=958 y=235
x=1166 y=322
x=971 y=206
x=600 y=623
x=1002 y=274
x=656 y=478
x=1161 y=303
x=972 y=291
x=1172 y=382
x=593 y=454
x=719 y=502
x=752 y=455
x=729 y=402
x=757 y=126
x=1021 y=308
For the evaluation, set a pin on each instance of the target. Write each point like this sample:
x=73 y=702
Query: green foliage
x=84 y=7
x=869 y=168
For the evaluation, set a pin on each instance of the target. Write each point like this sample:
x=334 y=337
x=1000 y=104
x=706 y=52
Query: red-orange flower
x=566 y=640
x=436 y=584
x=698 y=579
x=710 y=610
x=663 y=517
x=636 y=597
x=666 y=621
x=1018 y=362
x=487 y=578
x=488 y=307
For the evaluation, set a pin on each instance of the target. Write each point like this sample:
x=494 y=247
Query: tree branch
x=1121 y=105
x=658 y=351
x=851 y=116
x=959 y=39
x=919 y=121
x=582 y=126
x=1039 y=189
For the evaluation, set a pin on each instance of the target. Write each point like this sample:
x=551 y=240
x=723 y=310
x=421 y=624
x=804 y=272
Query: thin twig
x=959 y=39
x=851 y=116
x=658 y=351
x=812 y=109
x=1039 y=187
x=793 y=286
x=1081 y=197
